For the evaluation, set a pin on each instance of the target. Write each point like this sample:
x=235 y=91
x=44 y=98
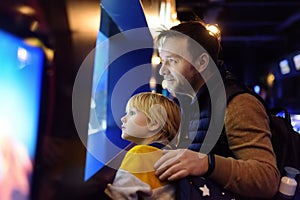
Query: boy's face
x=134 y=126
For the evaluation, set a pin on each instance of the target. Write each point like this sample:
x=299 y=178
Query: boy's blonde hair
x=158 y=109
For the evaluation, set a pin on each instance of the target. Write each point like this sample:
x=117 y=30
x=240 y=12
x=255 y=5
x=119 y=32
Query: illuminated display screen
x=101 y=148
x=21 y=68
x=295 y=118
x=97 y=121
x=121 y=67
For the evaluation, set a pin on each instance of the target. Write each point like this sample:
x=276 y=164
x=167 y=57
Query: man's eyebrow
x=173 y=56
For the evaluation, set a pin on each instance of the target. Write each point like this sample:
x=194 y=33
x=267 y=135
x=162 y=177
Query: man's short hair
x=197 y=31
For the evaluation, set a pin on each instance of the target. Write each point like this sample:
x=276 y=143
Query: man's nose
x=163 y=69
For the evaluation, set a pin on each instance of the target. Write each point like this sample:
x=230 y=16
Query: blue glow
x=295 y=120
x=20 y=86
x=104 y=141
x=257 y=89
x=97 y=121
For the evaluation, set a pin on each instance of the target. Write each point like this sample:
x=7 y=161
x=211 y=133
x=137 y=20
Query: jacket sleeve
x=127 y=186
x=254 y=172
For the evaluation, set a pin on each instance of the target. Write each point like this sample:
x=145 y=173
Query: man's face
x=178 y=72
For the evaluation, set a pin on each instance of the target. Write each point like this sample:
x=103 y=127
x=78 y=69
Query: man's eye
x=172 y=60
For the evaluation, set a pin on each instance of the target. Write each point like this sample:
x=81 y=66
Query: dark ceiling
x=255 y=34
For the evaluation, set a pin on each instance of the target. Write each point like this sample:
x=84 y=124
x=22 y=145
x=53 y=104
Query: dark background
x=256 y=36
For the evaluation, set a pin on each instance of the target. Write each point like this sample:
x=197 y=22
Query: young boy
x=151 y=122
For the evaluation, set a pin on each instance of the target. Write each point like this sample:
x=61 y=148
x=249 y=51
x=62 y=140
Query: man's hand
x=176 y=164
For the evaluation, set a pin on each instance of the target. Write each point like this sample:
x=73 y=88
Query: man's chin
x=171 y=89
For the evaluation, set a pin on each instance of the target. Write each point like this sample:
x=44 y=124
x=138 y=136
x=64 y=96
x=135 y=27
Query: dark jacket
x=197 y=117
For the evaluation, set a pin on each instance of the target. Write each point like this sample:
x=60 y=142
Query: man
x=244 y=162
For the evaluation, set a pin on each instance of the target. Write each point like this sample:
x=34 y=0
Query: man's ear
x=202 y=62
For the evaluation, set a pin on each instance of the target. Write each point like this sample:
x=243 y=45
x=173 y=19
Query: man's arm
x=254 y=172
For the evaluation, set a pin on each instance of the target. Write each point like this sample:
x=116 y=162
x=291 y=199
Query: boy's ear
x=202 y=62
x=154 y=126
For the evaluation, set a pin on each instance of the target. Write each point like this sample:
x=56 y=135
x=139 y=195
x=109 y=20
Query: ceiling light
x=159 y=14
x=284 y=67
x=214 y=30
x=297 y=61
x=155 y=60
x=26 y=10
x=270 y=79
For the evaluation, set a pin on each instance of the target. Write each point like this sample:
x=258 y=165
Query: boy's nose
x=123 y=119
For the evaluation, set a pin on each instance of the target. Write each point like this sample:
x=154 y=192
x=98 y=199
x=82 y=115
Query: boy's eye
x=131 y=112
